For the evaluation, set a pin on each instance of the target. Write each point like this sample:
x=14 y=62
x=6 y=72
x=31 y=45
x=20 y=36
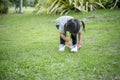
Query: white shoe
x=61 y=47
x=74 y=48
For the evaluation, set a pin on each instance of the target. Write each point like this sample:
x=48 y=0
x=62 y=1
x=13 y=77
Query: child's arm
x=79 y=40
x=65 y=38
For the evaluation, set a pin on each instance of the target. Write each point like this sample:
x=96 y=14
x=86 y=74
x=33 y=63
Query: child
x=68 y=23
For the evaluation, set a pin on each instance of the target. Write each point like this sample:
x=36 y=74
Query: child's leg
x=74 y=39
x=62 y=44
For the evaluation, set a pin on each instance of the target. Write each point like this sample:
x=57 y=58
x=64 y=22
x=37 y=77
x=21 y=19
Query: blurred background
x=57 y=6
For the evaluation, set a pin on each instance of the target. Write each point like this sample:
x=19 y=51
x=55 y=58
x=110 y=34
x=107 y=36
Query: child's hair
x=73 y=26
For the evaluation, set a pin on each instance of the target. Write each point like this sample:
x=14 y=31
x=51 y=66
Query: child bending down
x=72 y=25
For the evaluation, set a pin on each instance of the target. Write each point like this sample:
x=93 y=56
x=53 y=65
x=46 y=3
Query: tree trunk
x=21 y=9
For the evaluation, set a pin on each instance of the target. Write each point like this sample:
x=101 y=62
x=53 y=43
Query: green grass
x=29 y=48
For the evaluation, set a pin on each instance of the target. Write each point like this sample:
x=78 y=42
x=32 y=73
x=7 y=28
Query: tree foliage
x=66 y=6
x=3 y=6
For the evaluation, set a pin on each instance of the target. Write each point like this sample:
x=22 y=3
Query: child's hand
x=69 y=43
x=79 y=46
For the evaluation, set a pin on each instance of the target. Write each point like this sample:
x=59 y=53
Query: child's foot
x=61 y=47
x=74 y=48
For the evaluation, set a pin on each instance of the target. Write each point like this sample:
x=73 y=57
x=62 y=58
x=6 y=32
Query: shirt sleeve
x=61 y=29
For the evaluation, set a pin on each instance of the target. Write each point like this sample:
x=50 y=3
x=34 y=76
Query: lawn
x=29 y=48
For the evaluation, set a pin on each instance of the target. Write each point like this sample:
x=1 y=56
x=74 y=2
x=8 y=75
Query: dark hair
x=83 y=24
x=73 y=26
